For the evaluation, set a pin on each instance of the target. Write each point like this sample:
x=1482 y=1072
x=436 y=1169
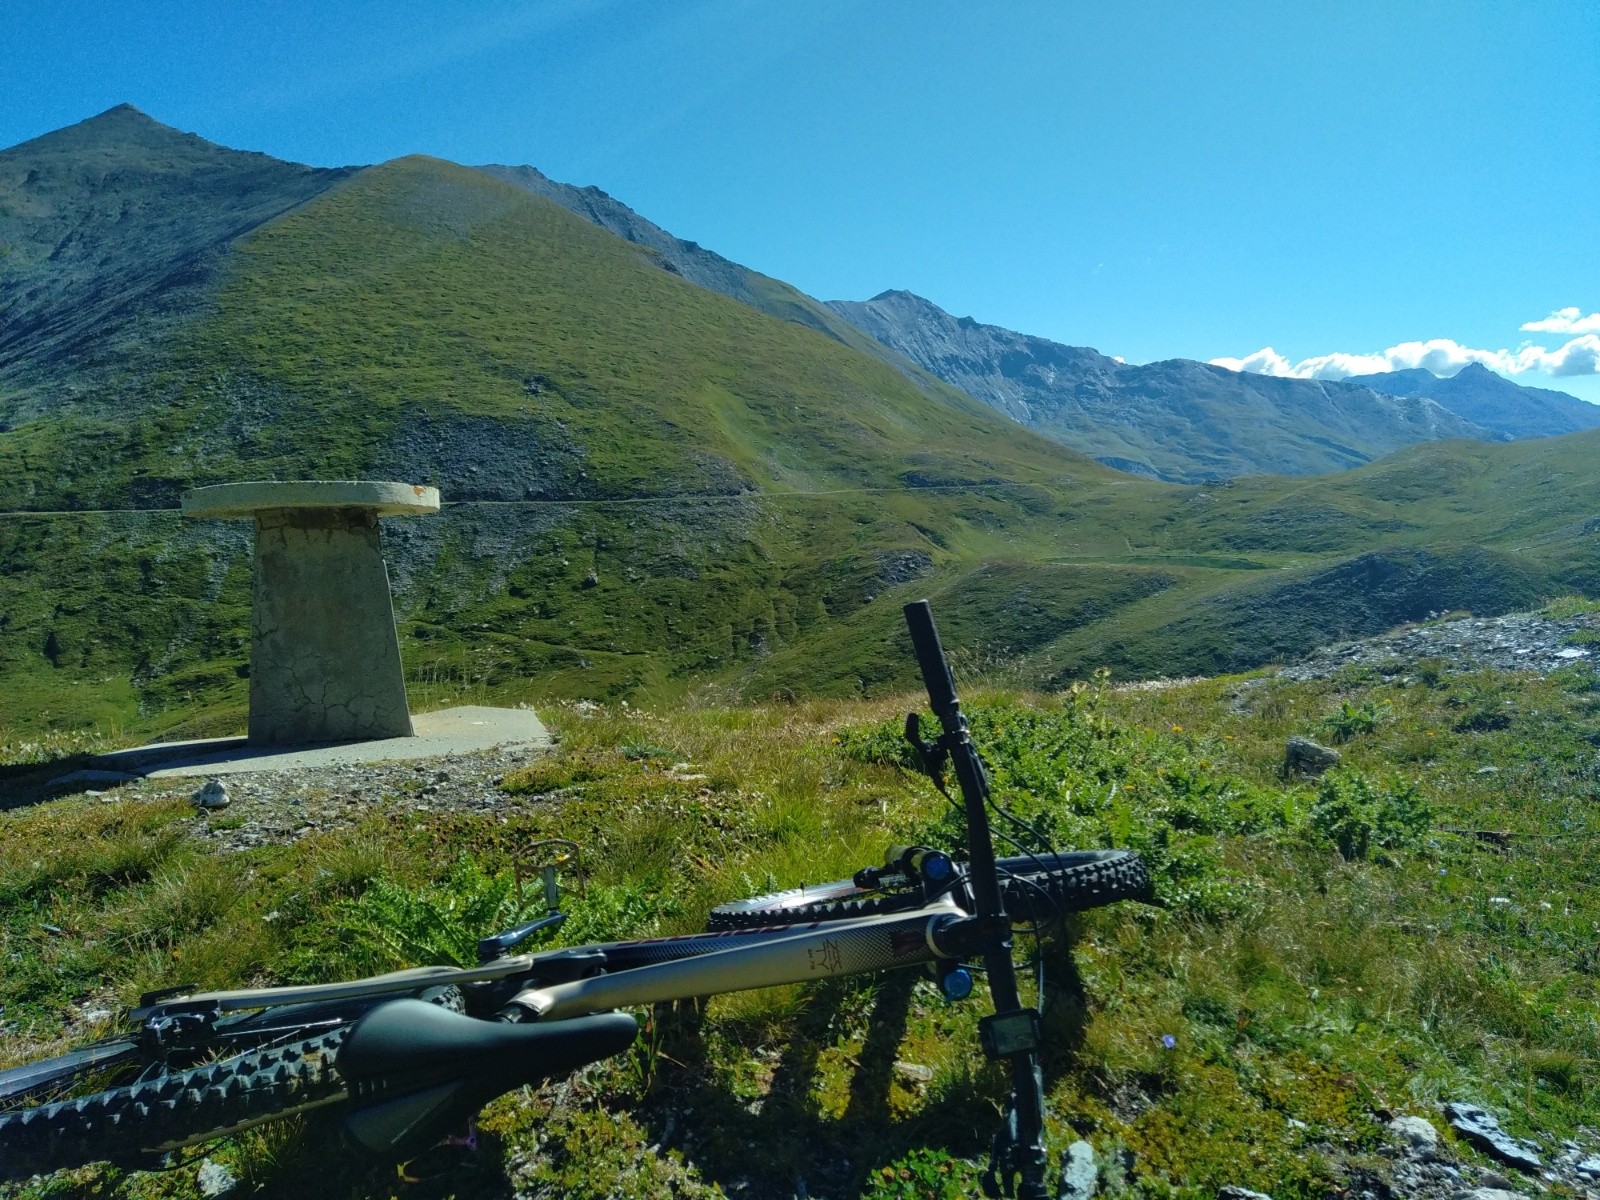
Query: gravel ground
x=1518 y=642
x=284 y=806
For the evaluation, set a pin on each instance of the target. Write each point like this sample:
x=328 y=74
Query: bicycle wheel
x=172 y=1110
x=1048 y=884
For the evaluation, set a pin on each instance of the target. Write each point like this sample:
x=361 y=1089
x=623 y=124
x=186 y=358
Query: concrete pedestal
x=324 y=655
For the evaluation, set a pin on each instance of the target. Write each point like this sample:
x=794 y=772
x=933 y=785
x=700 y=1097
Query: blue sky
x=1155 y=180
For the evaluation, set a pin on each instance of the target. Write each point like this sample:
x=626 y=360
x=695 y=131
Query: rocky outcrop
x=1303 y=757
x=1525 y=641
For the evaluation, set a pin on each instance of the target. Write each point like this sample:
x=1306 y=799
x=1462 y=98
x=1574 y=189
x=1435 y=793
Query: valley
x=683 y=505
x=751 y=496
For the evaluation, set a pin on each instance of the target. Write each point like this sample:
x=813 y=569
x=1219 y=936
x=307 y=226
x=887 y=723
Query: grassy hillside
x=426 y=322
x=1331 y=952
x=420 y=297
x=654 y=488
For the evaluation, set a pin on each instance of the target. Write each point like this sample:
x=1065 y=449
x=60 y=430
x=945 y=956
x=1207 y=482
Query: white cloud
x=1580 y=356
x=1444 y=356
x=1265 y=361
x=1565 y=320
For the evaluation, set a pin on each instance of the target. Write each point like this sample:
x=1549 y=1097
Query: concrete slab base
x=449 y=731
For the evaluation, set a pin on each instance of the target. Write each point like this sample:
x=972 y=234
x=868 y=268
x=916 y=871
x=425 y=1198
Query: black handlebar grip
x=936 y=675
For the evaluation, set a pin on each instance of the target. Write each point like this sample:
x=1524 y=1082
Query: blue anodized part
x=955 y=984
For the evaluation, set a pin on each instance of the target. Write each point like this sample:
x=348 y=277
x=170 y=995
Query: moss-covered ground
x=1417 y=926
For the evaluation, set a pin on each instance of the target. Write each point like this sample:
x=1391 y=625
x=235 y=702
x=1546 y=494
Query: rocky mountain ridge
x=111 y=232
x=1178 y=420
x=1477 y=394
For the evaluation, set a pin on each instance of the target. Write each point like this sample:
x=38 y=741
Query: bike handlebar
x=936 y=675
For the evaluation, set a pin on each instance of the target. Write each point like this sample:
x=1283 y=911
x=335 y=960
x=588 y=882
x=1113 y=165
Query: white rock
x=212 y=795
x=215 y=1179
x=913 y=1072
x=1080 y=1175
x=1417 y=1132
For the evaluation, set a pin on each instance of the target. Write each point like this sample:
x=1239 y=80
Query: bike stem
x=1013 y=1034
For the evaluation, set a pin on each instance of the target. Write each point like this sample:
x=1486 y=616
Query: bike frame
x=661 y=969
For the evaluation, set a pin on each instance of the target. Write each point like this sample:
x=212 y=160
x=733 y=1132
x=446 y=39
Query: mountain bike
x=412 y=1056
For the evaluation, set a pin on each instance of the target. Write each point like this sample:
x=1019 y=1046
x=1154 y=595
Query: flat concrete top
x=238 y=500
x=448 y=731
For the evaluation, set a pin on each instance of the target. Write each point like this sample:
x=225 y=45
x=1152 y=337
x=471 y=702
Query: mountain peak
x=124 y=110
x=120 y=129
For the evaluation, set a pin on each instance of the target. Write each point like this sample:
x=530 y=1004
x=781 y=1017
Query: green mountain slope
x=424 y=321
x=708 y=268
x=379 y=325
x=650 y=487
x=1263 y=569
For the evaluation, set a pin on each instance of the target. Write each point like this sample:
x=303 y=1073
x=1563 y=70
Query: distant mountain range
x=1493 y=401
x=1189 y=421
x=1177 y=420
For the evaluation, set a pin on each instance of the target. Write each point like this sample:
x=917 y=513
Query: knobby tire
x=1042 y=887
x=128 y=1124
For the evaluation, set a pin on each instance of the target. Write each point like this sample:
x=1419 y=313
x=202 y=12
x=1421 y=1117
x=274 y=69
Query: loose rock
x=212 y=795
x=1080 y=1176
x=1480 y=1128
x=1302 y=756
x=1416 y=1132
x=215 y=1179
x=914 y=1072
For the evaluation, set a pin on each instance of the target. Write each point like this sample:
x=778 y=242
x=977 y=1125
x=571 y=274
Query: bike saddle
x=415 y=1068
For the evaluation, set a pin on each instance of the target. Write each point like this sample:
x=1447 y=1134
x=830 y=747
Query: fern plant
x=398 y=926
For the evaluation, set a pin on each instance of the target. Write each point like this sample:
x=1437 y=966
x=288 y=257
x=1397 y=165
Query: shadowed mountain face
x=1479 y=395
x=111 y=229
x=1178 y=420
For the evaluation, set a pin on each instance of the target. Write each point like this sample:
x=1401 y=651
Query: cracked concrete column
x=324 y=654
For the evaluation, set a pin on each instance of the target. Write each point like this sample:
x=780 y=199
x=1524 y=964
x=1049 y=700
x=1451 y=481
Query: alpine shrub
x=1362 y=818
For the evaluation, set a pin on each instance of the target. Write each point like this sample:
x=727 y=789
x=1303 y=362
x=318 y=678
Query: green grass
x=1330 y=951
x=752 y=497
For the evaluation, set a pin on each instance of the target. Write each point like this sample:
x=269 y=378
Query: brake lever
x=932 y=756
x=495 y=947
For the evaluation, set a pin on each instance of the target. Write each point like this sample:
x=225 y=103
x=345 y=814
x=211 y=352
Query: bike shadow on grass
x=836 y=1105
x=832 y=1131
